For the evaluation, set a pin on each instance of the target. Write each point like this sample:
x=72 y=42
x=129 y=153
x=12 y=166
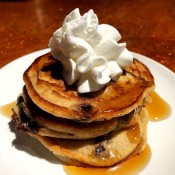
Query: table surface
x=148 y=27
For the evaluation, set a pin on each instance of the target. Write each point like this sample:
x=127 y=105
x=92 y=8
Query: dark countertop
x=148 y=27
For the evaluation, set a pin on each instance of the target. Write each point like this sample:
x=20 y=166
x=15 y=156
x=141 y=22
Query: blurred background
x=147 y=26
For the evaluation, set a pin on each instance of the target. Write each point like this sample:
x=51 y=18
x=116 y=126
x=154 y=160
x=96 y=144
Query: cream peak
x=89 y=51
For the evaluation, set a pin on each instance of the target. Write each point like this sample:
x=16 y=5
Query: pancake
x=48 y=90
x=102 y=151
x=93 y=129
x=45 y=124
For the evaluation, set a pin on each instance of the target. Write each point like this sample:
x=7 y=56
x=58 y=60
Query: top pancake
x=48 y=90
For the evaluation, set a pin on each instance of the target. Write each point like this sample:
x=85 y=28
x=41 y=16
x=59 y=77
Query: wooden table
x=148 y=27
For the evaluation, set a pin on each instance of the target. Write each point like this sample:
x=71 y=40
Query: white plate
x=20 y=154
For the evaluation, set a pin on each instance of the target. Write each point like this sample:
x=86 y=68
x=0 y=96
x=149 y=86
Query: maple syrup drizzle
x=130 y=167
x=6 y=110
x=159 y=109
x=133 y=134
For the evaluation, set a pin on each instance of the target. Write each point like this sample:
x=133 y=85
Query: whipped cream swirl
x=89 y=52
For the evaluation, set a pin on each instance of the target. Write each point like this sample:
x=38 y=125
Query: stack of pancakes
x=99 y=128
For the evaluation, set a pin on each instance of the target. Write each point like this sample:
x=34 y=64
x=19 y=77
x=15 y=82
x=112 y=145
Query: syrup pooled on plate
x=130 y=167
x=6 y=110
x=158 y=109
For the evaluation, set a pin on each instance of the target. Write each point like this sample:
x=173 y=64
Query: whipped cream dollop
x=89 y=52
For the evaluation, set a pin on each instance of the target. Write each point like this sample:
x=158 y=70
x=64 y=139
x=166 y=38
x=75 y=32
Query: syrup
x=6 y=110
x=130 y=167
x=133 y=134
x=159 y=109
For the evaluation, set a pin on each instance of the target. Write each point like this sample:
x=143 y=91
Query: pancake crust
x=48 y=90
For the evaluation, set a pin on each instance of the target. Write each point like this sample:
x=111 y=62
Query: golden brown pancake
x=48 y=90
x=104 y=151
x=49 y=125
